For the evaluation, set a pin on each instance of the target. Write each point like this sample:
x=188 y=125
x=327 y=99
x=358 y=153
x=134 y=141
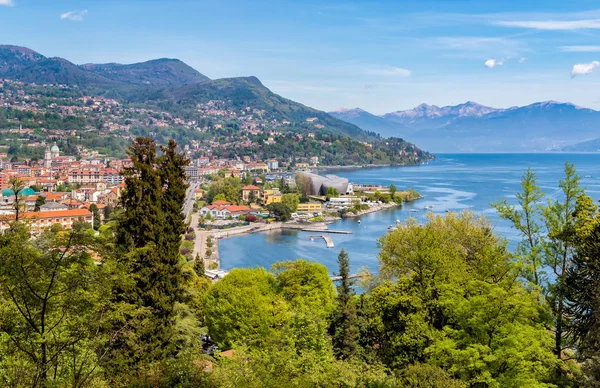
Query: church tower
x=48 y=158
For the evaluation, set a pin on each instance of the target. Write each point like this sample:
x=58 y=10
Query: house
x=273 y=164
x=198 y=194
x=309 y=207
x=250 y=193
x=53 y=207
x=224 y=211
x=271 y=196
x=44 y=219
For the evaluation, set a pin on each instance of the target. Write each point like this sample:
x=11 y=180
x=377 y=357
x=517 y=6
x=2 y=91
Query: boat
x=391 y=227
x=398 y=221
x=430 y=207
x=359 y=221
x=414 y=210
x=312 y=238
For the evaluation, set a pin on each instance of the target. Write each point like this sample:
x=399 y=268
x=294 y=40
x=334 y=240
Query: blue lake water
x=452 y=182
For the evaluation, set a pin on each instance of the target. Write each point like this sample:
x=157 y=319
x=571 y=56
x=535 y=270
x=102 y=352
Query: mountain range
x=167 y=83
x=471 y=127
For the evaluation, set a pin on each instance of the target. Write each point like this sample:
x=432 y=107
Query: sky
x=381 y=56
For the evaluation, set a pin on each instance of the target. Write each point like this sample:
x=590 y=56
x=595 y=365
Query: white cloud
x=522 y=60
x=491 y=63
x=389 y=71
x=581 y=49
x=551 y=25
x=584 y=68
x=73 y=15
x=8 y=3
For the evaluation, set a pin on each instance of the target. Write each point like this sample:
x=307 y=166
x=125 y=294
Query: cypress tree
x=344 y=329
x=148 y=237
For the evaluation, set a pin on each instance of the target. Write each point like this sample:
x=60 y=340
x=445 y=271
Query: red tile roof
x=250 y=187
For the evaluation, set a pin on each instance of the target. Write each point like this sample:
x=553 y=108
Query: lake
x=452 y=182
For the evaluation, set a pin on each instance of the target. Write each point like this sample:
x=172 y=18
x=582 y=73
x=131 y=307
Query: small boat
x=398 y=221
x=414 y=210
x=359 y=221
x=391 y=227
x=312 y=239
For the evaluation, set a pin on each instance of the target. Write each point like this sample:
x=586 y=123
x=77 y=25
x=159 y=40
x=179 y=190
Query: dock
x=328 y=240
x=353 y=276
x=326 y=231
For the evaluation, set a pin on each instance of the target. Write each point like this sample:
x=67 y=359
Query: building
x=320 y=184
x=224 y=211
x=273 y=164
x=250 y=193
x=309 y=207
x=198 y=194
x=271 y=196
x=41 y=220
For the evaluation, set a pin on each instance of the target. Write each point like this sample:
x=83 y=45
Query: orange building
x=41 y=220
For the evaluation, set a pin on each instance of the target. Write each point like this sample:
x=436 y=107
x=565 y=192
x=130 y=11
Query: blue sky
x=378 y=55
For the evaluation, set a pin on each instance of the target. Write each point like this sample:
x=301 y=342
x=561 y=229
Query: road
x=188 y=205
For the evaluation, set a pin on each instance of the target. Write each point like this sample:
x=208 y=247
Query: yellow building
x=250 y=192
x=271 y=196
x=309 y=207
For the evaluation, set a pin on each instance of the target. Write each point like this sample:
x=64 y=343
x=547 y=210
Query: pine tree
x=344 y=329
x=199 y=266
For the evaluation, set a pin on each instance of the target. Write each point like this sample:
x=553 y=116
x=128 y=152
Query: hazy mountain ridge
x=26 y=65
x=471 y=127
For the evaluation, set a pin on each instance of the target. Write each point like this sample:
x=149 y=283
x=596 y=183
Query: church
x=50 y=154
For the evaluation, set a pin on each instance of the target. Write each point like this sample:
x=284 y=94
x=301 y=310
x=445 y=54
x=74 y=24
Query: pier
x=353 y=276
x=328 y=240
x=326 y=231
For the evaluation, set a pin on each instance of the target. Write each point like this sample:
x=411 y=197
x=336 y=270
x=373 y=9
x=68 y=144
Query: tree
x=304 y=185
x=17 y=185
x=291 y=201
x=53 y=299
x=280 y=211
x=39 y=201
x=457 y=303
x=97 y=219
x=559 y=219
x=107 y=211
x=199 y=265
x=392 y=191
x=244 y=308
x=344 y=328
x=148 y=236
x=582 y=287
x=526 y=220
x=332 y=192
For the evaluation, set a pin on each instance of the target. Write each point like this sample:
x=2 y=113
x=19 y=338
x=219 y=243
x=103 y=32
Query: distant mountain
x=365 y=120
x=584 y=146
x=173 y=86
x=472 y=127
x=243 y=92
x=23 y=64
x=162 y=72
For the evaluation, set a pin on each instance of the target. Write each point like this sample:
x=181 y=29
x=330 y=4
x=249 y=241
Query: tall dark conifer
x=148 y=236
x=344 y=329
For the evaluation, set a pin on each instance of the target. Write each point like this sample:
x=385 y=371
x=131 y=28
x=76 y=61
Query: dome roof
x=54 y=148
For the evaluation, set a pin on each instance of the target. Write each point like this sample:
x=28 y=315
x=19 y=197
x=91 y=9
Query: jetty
x=326 y=231
x=353 y=276
x=328 y=240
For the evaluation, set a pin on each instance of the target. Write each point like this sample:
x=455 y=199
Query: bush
x=316 y=219
x=185 y=251
x=251 y=218
x=190 y=237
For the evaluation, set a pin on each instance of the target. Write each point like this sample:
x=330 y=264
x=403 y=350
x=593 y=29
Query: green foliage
x=96 y=216
x=280 y=211
x=332 y=192
x=52 y=302
x=344 y=327
x=148 y=238
x=291 y=201
x=458 y=304
x=526 y=221
x=244 y=308
x=39 y=201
